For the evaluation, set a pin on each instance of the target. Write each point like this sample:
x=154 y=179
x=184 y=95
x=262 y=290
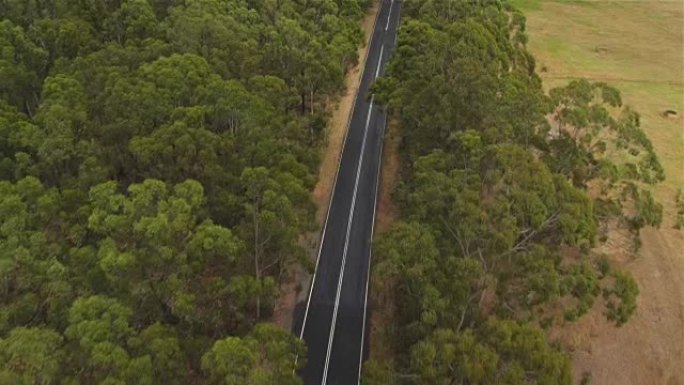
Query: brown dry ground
x=387 y=211
x=637 y=47
x=293 y=288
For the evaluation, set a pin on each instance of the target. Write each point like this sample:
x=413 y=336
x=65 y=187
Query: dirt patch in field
x=294 y=286
x=649 y=349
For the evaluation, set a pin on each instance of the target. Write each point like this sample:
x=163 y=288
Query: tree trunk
x=257 y=271
x=28 y=109
x=312 y=103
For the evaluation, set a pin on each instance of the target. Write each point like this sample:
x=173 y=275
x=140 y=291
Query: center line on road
x=389 y=15
x=350 y=219
x=377 y=70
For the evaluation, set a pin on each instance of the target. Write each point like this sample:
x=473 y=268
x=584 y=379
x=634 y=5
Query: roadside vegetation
x=505 y=193
x=156 y=159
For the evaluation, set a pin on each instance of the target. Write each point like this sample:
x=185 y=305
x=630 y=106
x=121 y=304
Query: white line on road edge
x=333 y=324
x=389 y=15
x=370 y=253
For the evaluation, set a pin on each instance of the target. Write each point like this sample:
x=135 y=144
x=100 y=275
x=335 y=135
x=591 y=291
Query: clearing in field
x=635 y=46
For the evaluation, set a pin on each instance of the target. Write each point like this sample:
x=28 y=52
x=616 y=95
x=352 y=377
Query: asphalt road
x=334 y=321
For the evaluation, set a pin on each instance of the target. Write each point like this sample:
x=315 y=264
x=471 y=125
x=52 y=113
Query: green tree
x=98 y=336
x=34 y=282
x=22 y=66
x=62 y=115
x=430 y=290
x=134 y=20
x=501 y=352
x=264 y=357
x=376 y=373
x=31 y=356
x=19 y=138
x=621 y=298
x=161 y=343
x=211 y=29
x=153 y=244
x=590 y=145
x=273 y=221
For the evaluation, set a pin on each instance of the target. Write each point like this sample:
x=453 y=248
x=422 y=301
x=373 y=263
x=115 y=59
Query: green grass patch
x=633 y=46
x=527 y=5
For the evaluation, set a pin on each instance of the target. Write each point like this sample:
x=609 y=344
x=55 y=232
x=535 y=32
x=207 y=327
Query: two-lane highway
x=334 y=322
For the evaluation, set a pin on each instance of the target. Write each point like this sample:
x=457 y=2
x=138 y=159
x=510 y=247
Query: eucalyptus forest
x=156 y=159
x=156 y=164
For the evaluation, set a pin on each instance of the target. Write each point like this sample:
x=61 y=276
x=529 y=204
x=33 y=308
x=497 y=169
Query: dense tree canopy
x=155 y=163
x=504 y=193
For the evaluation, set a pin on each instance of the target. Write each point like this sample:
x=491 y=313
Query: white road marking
x=377 y=70
x=333 y=324
x=389 y=15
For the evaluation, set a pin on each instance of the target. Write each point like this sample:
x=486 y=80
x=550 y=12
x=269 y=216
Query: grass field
x=635 y=46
